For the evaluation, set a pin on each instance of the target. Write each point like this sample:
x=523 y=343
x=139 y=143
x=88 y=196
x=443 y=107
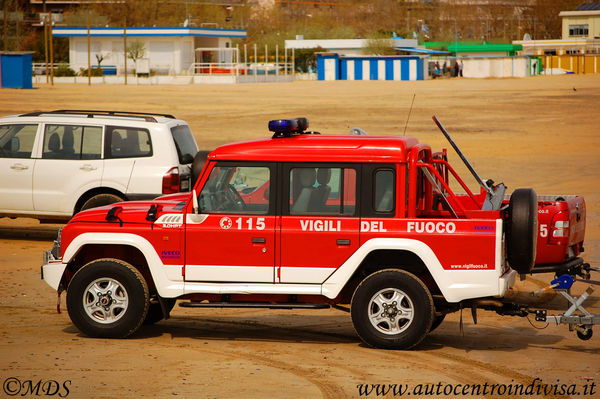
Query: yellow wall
x=593 y=22
x=574 y=63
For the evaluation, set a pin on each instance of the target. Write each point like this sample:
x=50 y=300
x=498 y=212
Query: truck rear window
x=184 y=142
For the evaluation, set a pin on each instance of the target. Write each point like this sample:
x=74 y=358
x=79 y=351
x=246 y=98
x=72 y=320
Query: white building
x=169 y=49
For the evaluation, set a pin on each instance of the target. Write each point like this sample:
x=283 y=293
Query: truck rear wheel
x=522 y=228
x=107 y=298
x=392 y=309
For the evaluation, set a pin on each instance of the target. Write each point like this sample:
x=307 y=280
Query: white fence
x=488 y=67
x=502 y=67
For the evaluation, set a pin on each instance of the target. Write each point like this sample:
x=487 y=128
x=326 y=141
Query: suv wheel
x=392 y=309
x=107 y=298
x=101 y=200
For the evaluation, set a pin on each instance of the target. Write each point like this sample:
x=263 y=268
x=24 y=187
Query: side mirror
x=195 y=201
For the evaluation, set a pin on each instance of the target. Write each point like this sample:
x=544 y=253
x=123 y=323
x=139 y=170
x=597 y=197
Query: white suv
x=55 y=164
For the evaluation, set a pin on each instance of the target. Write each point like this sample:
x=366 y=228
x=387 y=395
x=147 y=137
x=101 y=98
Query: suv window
x=236 y=189
x=127 y=142
x=184 y=142
x=16 y=141
x=322 y=191
x=72 y=142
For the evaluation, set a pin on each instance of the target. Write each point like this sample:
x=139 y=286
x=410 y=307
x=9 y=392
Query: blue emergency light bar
x=287 y=127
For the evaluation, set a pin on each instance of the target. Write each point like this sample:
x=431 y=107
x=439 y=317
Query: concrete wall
x=171 y=55
x=168 y=80
x=501 y=67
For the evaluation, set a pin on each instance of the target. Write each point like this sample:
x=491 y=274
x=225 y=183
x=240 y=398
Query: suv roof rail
x=148 y=116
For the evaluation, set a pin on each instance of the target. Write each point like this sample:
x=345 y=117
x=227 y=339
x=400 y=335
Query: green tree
x=306 y=58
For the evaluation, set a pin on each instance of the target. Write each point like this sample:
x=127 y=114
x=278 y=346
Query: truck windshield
x=184 y=141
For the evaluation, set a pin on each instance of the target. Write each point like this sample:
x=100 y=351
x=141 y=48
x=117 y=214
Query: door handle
x=258 y=240
x=88 y=167
x=343 y=242
x=19 y=166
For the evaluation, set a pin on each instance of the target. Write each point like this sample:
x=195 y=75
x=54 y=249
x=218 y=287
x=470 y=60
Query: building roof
x=588 y=6
x=473 y=47
x=148 y=32
x=318 y=148
x=418 y=50
x=343 y=44
x=483 y=48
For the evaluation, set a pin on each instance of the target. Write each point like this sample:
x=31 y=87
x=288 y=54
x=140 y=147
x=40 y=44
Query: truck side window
x=16 y=141
x=72 y=142
x=384 y=191
x=322 y=191
x=236 y=190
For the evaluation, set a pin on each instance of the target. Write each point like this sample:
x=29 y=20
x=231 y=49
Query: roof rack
x=147 y=116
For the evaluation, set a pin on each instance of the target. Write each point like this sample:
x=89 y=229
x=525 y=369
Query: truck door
x=232 y=238
x=319 y=222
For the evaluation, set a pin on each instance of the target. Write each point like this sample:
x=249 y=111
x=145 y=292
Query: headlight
x=56 y=251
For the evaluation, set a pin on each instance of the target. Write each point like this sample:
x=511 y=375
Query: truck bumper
x=52 y=270
x=571 y=266
x=506 y=281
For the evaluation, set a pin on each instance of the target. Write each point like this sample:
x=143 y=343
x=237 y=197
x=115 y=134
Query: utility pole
x=51 y=54
x=46 y=47
x=455 y=40
x=89 y=50
x=125 y=48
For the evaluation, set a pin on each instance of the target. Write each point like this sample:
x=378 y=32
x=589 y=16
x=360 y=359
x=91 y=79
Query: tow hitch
x=577 y=317
x=581 y=321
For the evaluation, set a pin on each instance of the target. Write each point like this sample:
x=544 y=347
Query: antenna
x=409 y=111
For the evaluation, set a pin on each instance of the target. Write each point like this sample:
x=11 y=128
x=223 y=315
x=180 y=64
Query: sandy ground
x=540 y=132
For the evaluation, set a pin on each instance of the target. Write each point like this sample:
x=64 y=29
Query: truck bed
x=561 y=228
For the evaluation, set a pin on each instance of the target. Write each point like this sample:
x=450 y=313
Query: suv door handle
x=19 y=166
x=88 y=168
x=343 y=242
x=258 y=240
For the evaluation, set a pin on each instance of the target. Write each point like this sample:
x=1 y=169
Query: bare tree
x=5 y=4
x=136 y=51
x=541 y=20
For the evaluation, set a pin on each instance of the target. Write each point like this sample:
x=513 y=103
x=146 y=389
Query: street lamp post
x=455 y=40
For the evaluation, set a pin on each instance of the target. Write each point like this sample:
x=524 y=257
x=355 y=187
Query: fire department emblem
x=225 y=223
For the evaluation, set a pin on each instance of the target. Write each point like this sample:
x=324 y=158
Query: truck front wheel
x=392 y=309
x=107 y=298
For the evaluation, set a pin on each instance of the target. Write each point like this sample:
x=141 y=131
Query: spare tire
x=198 y=165
x=522 y=228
